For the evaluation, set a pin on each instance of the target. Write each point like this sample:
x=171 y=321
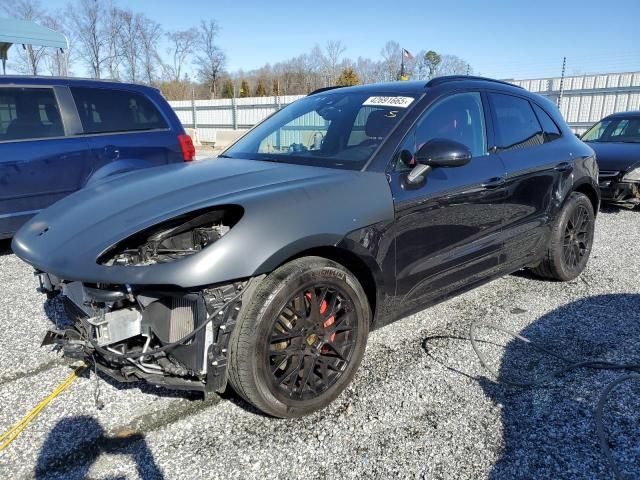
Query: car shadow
x=549 y=430
x=75 y=444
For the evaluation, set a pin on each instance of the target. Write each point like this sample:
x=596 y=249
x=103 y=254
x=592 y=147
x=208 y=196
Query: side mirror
x=438 y=152
x=441 y=152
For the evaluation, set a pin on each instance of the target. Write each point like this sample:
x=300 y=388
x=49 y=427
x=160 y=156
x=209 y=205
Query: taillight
x=186 y=145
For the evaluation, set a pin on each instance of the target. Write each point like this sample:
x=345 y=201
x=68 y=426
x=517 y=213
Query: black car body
x=616 y=141
x=410 y=193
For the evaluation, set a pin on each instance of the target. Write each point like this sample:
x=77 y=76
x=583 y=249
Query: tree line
x=110 y=41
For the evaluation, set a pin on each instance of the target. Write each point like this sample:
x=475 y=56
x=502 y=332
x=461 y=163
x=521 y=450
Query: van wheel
x=300 y=337
x=570 y=242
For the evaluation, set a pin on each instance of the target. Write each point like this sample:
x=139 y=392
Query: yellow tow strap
x=12 y=433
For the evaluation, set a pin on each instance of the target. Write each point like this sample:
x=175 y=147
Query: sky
x=500 y=38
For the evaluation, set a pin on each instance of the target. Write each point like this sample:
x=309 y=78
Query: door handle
x=494 y=182
x=112 y=152
x=563 y=167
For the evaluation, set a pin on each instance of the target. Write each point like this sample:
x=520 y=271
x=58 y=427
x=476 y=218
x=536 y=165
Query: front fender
x=114 y=168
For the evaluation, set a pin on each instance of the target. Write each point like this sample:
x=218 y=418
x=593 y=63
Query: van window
x=105 y=110
x=29 y=113
x=517 y=125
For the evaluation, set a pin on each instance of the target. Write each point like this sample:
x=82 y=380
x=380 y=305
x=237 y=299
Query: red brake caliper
x=329 y=321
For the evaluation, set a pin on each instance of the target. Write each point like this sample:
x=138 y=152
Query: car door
x=125 y=129
x=534 y=166
x=40 y=160
x=448 y=229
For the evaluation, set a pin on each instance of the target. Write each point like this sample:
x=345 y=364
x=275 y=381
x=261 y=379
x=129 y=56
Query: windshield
x=333 y=129
x=626 y=130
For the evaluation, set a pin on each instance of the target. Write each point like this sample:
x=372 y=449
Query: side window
x=105 y=111
x=459 y=117
x=549 y=127
x=517 y=125
x=29 y=113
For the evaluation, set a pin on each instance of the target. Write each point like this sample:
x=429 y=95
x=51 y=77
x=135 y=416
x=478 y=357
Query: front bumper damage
x=170 y=337
x=614 y=190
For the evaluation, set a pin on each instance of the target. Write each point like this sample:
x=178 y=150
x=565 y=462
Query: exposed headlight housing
x=632 y=175
x=173 y=239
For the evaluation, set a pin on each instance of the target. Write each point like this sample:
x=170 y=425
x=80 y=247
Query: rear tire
x=570 y=242
x=300 y=337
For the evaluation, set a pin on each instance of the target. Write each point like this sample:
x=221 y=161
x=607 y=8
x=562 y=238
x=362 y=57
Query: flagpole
x=401 y=63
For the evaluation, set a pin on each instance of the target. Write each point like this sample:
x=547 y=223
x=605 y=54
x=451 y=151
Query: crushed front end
x=170 y=337
x=620 y=188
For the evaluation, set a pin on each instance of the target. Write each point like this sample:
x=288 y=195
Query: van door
x=126 y=130
x=39 y=162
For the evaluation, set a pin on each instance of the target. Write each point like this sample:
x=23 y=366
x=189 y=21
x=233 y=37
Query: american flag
x=407 y=54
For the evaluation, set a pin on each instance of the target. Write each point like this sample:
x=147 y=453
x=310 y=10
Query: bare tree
x=86 y=20
x=333 y=51
x=182 y=44
x=129 y=42
x=30 y=58
x=212 y=59
x=58 y=62
x=110 y=30
x=453 y=65
x=150 y=33
x=392 y=58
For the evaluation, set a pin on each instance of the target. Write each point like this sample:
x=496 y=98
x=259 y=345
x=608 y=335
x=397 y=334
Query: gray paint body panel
x=288 y=208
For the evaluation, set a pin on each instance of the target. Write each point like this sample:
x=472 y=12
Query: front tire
x=300 y=337
x=571 y=240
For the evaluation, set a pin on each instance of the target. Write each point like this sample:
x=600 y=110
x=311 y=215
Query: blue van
x=59 y=134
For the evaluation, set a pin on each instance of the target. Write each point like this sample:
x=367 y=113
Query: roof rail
x=324 y=89
x=63 y=77
x=434 y=82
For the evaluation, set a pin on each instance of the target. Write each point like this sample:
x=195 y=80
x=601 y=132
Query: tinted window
x=333 y=129
x=517 y=126
x=27 y=113
x=459 y=117
x=550 y=129
x=103 y=111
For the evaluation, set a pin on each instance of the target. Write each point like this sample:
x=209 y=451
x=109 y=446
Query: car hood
x=616 y=156
x=286 y=208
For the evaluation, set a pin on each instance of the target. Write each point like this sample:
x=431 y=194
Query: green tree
x=245 y=91
x=348 y=77
x=261 y=91
x=227 y=89
x=432 y=60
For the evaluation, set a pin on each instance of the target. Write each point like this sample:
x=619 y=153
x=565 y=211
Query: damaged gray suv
x=267 y=267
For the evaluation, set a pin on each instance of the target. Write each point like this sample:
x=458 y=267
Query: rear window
x=549 y=127
x=29 y=113
x=106 y=111
x=517 y=126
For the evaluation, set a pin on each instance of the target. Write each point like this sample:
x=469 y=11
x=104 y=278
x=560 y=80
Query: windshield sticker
x=402 y=102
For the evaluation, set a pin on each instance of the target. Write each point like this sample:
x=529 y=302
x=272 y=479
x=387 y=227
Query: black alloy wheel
x=300 y=337
x=576 y=236
x=570 y=241
x=312 y=342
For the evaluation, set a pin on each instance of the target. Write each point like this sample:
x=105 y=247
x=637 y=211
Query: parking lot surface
x=421 y=405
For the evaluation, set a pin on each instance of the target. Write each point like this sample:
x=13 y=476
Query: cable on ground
x=572 y=364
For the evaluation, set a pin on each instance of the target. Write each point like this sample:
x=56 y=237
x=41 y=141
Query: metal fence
x=584 y=100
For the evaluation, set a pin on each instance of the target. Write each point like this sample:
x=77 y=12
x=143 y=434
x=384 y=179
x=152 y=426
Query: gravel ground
x=421 y=406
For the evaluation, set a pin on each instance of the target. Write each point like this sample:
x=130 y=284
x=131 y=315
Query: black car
x=351 y=208
x=616 y=141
